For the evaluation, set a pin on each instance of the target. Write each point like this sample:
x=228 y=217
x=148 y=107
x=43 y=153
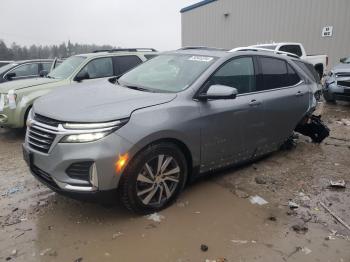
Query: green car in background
x=17 y=97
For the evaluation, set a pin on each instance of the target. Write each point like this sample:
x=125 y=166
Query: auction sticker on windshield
x=201 y=58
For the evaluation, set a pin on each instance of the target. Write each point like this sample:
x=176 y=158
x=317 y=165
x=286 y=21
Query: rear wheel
x=154 y=178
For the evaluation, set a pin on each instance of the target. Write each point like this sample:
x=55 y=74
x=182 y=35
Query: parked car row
x=27 y=69
x=146 y=132
x=17 y=97
x=337 y=82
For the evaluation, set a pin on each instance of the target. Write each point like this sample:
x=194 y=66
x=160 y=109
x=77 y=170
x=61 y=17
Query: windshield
x=167 y=73
x=6 y=67
x=65 y=69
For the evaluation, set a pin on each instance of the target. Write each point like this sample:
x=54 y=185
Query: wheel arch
x=177 y=142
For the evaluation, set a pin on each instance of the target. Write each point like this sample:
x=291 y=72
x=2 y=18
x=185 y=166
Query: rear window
x=294 y=49
x=277 y=73
x=125 y=63
x=309 y=70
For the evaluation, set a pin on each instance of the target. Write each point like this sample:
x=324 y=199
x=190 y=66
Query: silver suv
x=165 y=122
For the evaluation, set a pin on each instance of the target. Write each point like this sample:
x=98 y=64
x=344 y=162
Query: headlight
x=89 y=132
x=10 y=99
x=84 y=138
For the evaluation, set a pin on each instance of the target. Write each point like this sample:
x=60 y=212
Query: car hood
x=341 y=68
x=96 y=102
x=25 y=83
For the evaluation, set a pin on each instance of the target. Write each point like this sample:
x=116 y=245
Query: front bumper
x=336 y=91
x=51 y=168
x=12 y=118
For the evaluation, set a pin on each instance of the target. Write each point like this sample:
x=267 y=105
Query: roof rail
x=264 y=49
x=126 y=50
x=202 y=48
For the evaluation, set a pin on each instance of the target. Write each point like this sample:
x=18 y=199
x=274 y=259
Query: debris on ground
x=306 y=250
x=263 y=180
x=204 y=248
x=13 y=190
x=221 y=259
x=293 y=205
x=258 y=200
x=300 y=228
x=116 y=235
x=80 y=259
x=314 y=128
x=241 y=193
x=272 y=218
x=182 y=204
x=48 y=251
x=155 y=217
x=346 y=122
x=335 y=216
x=337 y=184
x=243 y=241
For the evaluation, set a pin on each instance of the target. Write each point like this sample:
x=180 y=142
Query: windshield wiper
x=51 y=77
x=138 y=88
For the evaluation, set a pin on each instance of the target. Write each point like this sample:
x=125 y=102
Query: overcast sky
x=126 y=23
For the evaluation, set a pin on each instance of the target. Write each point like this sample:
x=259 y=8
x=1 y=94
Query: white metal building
x=322 y=26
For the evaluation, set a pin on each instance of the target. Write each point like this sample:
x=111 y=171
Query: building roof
x=194 y=6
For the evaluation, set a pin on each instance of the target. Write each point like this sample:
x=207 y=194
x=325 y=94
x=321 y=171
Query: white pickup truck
x=320 y=62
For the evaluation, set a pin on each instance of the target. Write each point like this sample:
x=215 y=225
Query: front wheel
x=154 y=178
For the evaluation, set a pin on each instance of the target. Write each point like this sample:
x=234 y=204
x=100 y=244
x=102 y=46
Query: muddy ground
x=39 y=225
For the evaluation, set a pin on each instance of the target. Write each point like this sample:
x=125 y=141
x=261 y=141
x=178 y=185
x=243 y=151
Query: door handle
x=254 y=103
x=299 y=93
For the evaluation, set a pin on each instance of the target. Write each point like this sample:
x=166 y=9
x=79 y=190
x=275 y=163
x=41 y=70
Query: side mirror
x=342 y=60
x=43 y=73
x=219 y=92
x=9 y=76
x=82 y=76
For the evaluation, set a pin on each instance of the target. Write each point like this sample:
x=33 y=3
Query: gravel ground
x=39 y=225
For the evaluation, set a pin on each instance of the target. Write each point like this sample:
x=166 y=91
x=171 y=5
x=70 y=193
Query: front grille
x=46 y=120
x=43 y=176
x=80 y=170
x=40 y=140
x=344 y=83
x=342 y=74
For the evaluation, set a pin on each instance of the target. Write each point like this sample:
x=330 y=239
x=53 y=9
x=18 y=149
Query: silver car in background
x=337 y=82
x=167 y=121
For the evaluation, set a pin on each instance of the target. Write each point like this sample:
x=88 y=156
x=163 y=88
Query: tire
x=24 y=128
x=330 y=101
x=144 y=188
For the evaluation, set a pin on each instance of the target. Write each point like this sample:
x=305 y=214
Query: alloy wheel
x=158 y=180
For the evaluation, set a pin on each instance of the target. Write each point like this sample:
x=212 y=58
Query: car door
x=286 y=100
x=97 y=68
x=123 y=64
x=230 y=128
x=28 y=70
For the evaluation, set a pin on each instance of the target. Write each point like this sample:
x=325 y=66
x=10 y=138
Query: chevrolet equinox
x=170 y=119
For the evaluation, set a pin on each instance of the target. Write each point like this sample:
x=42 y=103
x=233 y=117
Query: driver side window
x=97 y=68
x=26 y=70
x=237 y=73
